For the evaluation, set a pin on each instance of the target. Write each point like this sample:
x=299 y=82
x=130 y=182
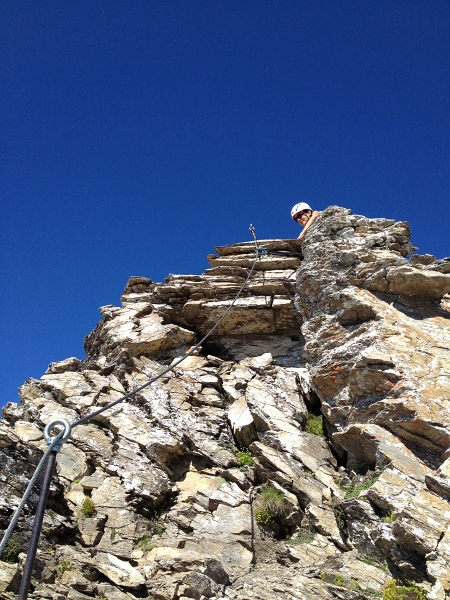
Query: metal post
x=37 y=526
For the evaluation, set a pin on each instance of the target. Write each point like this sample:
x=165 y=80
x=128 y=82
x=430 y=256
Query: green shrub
x=244 y=458
x=12 y=551
x=145 y=544
x=88 y=508
x=339 y=580
x=263 y=516
x=393 y=590
x=64 y=565
x=273 y=500
x=314 y=424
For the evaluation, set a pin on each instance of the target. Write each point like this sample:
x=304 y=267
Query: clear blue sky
x=137 y=135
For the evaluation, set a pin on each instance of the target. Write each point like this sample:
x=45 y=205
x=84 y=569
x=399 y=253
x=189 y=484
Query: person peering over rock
x=305 y=216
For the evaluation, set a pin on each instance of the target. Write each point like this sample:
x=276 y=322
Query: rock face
x=215 y=481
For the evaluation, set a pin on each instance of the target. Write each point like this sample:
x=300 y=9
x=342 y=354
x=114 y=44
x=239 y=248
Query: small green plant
x=64 y=565
x=393 y=590
x=12 y=551
x=220 y=483
x=244 y=458
x=263 y=516
x=112 y=534
x=389 y=518
x=145 y=544
x=88 y=508
x=339 y=515
x=339 y=580
x=314 y=424
x=273 y=500
x=159 y=529
x=379 y=562
x=354 y=490
x=353 y=586
x=371 y=592
x=76 y=480
x=303 y=536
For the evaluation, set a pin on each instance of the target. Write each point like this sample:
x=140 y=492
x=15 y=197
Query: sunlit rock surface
x=177 y=476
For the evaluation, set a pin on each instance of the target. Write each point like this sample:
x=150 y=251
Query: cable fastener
x=67 y=429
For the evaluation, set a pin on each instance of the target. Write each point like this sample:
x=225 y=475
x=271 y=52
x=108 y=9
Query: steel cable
x=87 y=418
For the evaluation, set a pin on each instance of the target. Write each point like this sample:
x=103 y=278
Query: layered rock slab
x=378 y=344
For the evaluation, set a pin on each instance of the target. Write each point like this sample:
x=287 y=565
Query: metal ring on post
x=67 y=431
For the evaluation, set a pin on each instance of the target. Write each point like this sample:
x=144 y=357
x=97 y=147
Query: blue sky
x=138 y=135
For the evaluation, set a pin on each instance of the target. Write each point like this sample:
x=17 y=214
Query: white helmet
x=299 y=207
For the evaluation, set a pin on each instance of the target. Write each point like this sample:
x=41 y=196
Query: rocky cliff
x=223 y=479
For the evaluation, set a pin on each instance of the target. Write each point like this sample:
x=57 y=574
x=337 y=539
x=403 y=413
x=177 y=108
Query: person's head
x=301 y=213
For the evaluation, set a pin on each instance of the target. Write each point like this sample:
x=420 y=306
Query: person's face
x=302 y=217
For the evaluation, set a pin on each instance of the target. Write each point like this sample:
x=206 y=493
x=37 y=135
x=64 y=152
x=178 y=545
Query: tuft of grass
x=303 y=536
x=314 y=424
x=145 y=544
x=159 y=529
x=354 y=490
x=263 y=516
x=393 y=590
x=273 y=500
x=11 y=552
x=339 y=515
x=220 y=483
x=389 y=518
x=379 y=562
x=64 y=565
x=244 y=458
x=88 y=508
x=112 y=534
x=353 y=586
x=339 y=580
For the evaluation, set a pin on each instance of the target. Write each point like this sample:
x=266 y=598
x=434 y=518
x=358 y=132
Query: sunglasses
x=299 y=214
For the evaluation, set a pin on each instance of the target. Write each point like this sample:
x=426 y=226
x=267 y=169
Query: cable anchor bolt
x=67 y=429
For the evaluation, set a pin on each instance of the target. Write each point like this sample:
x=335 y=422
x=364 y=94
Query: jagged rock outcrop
x=210 y=482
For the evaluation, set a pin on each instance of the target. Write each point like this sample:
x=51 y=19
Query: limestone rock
x=118 y=571
x=8 y=576
x=242 y=422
